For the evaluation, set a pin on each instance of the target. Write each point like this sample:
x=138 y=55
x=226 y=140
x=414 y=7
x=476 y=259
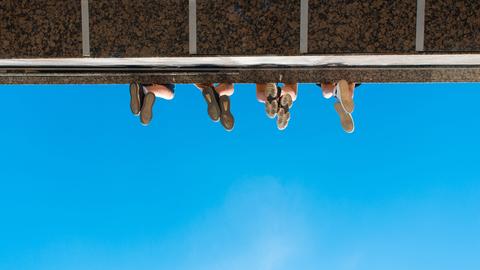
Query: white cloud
x=262 y=225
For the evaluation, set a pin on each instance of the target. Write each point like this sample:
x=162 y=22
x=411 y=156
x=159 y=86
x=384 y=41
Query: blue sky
x=84 y=186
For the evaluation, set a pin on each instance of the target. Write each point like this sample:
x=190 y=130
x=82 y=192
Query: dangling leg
x=287 y=96
x=165 y=91
x=225 y=90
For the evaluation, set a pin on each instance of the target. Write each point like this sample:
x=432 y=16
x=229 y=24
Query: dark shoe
x=211 y=97
x=136 y=98
x=226 y=117
x=146 y=114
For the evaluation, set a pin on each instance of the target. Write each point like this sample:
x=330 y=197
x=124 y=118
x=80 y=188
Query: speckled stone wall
x=352 y=26
x=138 y=28
x=236 y=27
x=40 y=28
x=452 y=25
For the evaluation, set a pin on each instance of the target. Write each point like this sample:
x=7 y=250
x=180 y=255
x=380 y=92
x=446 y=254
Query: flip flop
x=146 y=114
x=136 y=98
x=343 y=94
x=346 y=119
x=211 y=97
x=226 y=117
x=271 y=104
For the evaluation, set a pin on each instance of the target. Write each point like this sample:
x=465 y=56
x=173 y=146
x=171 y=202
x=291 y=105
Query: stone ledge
x=245 y=75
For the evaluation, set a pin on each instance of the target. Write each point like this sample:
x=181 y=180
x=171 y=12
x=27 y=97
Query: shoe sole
x=286 y=101
x=346 y=119
x=226 y=116
x=271 y=109
x=146 y=114
x=283 y=118
x=135 y=103
x=213 y=108
x=271 y=103
x=346 y=98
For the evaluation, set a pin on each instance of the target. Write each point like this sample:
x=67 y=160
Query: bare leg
x=202 y=86
x=260 y=91
x=222 y=89
x=218 y=102
x=351 y=87
x=327 y=90
x=291 y=89
x=225 y=89
x=160 y=91
x=142 y=99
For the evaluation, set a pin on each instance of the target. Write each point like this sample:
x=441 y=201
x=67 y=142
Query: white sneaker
x=346 y=119
x=343 y=94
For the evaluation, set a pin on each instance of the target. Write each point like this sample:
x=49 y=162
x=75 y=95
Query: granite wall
x=40 y=28
x=452 y=25
x=138 y=28
x=232 y=27
x=351 y=26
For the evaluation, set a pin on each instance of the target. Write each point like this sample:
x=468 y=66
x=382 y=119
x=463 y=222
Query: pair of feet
x=142 y=99
x=218 y=106
x=344 y=106
x=278 y=104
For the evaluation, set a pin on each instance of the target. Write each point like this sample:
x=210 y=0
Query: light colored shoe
x=344 y=95
x=283 y=116
x=346 y=119
x=271 y=103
